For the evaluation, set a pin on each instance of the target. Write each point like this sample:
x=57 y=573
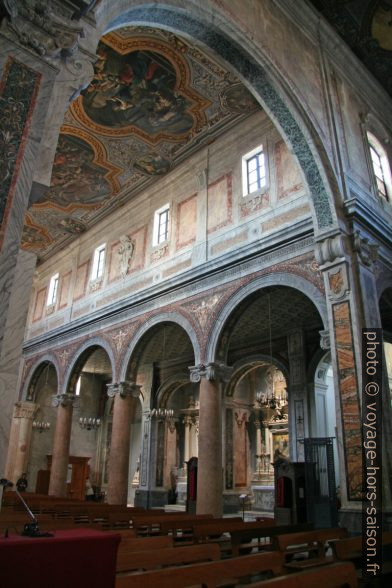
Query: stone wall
x=209 y=218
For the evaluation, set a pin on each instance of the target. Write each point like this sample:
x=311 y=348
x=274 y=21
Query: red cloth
x=75 y=558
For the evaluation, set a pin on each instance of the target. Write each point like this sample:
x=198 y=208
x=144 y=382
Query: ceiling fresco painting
x=153 y=101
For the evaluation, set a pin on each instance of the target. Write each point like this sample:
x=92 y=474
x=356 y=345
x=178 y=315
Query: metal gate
x=321 y=499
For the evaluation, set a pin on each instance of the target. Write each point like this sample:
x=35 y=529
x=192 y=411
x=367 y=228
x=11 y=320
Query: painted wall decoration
x=18 y=91
x=153 y=100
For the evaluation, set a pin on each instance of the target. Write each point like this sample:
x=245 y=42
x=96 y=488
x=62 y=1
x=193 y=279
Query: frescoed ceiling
x=154 y=100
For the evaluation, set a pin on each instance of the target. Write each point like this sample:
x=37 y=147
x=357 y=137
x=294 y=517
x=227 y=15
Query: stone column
x=61 y=442
x=209 y=477
x=258 y=448
x=298 y=421
x=348 y=266
x=19 y=443
x=187 y=426
x=125 y=395
x=171 y=451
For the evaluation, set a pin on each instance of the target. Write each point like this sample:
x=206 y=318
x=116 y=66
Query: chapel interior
x=195 y=232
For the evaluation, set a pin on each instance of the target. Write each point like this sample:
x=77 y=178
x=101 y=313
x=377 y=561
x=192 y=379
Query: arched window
x=381 y=168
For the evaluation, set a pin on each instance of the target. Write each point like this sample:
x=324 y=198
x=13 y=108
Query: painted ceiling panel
x=153 y=101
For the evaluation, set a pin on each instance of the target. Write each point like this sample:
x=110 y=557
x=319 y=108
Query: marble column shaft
x=210 y=475
x=18 y=449
x=125 y=395
x=61 y=443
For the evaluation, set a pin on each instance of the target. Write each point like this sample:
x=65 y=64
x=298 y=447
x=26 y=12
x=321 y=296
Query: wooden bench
x=242 y=540
x=335 y=575
x=210 y=575
x=311 y=543
x=151 y=560
x=150 y=524
x=351 y=549
x=132 y=544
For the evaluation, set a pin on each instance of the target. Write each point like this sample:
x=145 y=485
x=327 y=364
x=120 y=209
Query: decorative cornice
x=210 y=371
x=124 y=389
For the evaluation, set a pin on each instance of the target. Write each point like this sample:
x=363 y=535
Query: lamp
x=89 y=423
x=41 y=426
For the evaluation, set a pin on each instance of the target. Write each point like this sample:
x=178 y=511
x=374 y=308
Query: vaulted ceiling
x=154 y=100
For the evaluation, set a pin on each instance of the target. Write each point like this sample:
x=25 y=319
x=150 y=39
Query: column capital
x=331 y=250
x=366 y=250
x=325 y=340
x=210 y=371
x=64 y=399
x=25 y=410
x=124 y=389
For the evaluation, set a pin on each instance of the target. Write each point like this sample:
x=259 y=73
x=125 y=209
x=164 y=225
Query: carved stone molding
x=325 y=340
x=44 y=27
x=124 y=389
x=25 y=410
x=210 y=371
x=367 y=252
x=331 y=250
x=240 y=419
x=64 y=400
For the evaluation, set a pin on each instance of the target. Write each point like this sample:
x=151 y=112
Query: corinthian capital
x=218 y=372
x=63 y=399
x=124 y=389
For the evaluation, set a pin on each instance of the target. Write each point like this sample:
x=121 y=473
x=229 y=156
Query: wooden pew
x=218 y=531
x=335 y=575
x=242 y=540
x=132 y=544
x=209 y=574
x=351 y=549
x=169 y=557
x=313 y=543
x=150 y=524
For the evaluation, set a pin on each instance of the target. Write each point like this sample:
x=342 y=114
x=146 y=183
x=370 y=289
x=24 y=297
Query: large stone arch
x=81 y=355
x=278 y=279
x=242 y=367
x=173 y=317
x=35 y=372
x=208 y=26
x=169 y=386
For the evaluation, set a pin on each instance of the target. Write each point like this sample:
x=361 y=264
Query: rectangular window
x=253 y=171
x=161 y=225
x=53 y=287
x=98 y=262
x=378 y=172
